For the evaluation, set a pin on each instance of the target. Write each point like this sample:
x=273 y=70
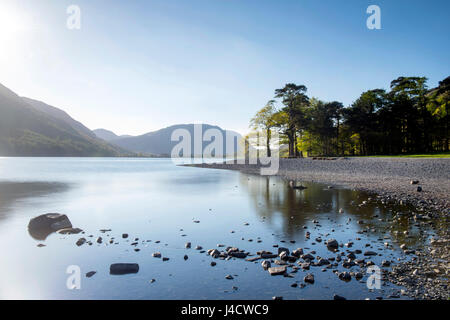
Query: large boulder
x=123 y=268
x=41 y=226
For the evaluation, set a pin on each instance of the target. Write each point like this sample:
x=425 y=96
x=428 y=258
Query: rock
x=213 y=263
x=307 y=256
x=165 y=259
x=41 y=226
x=70 y=231
x=345 y=276
x=370 y=253
x=99 y=240
x=125 y=235
x=40 y=245
x=403 y=246
x=266 y=264
x=156 y=255
x=268 y=255
x=351 y=256
x=338 y=297
x=281 y=249
x=322 y=262
x=238 y=254
x=419 y=189
x=152 y=281
x=274 y=271
x=358 y=275
x=214 y=253
x=284 y=256
x=187 y=245
x=90 y=274
x=297 y=252
x=385 y=263
x=309 y=278
x=123 y=268
x=341 y=210
x=80 y=242
x=229 y=277
x=305 y=265
x=332 y=244
x=198 y=248
x=185 y=257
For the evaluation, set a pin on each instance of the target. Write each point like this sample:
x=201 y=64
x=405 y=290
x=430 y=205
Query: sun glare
x=12 y=23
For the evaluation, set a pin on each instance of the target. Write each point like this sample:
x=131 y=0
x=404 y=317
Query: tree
x=294 y=98
x=264 y=119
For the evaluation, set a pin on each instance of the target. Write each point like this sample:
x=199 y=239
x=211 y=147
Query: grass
x=426 y=155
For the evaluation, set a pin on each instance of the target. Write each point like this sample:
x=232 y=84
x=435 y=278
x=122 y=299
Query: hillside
x=32 y=128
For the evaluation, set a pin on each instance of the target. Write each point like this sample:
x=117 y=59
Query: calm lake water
x=155 y=200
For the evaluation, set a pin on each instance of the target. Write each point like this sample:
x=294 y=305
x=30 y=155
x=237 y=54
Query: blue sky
x=137 y=66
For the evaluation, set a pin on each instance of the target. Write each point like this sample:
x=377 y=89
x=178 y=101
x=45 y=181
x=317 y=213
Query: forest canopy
x=407 y=119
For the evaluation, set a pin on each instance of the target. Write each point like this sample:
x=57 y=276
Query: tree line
x=407 y=119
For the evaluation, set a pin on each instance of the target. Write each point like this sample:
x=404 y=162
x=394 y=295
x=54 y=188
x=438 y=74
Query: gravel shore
x=388 y=177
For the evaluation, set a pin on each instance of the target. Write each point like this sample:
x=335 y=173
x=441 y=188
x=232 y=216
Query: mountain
x=159 y=142
x=61 y=115
x=108 y=135
x=33 y=128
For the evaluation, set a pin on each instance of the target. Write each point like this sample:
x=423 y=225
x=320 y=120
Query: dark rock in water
x=80 y=242
x=187 y=245
x=309 y=278
x=332 y=244
x=322 y=262
x=90 y=274
x=70 y=231
x=41 y=226
x=165 y=259
x=240 y=255
x=277 y=298
x=297 y=252
x=385 y=263
x=185 y=257
x=123 y=268
x=338 y=297
x=307 y=256
x=351 y=256
x=213 y=264
x=281 y=249
x=40 y=245
x=266 y=264
x=345 y=276
x=99 y=240
x=414 y=182
x=229 y=277
x=268 y=255
x=370 y=253
x=156 y=254
x=125 y=235
x=419 y=189
x=274 y=271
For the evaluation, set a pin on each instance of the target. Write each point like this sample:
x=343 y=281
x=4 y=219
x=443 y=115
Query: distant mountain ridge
x=32 y=128
x=159 y=142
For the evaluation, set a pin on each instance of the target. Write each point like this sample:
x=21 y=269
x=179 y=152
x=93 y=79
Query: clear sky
x=137 y=66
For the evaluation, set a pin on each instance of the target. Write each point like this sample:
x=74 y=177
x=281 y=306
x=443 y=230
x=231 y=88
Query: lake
x=157 y=202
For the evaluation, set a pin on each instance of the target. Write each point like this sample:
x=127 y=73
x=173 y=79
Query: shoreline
x=426 y=274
